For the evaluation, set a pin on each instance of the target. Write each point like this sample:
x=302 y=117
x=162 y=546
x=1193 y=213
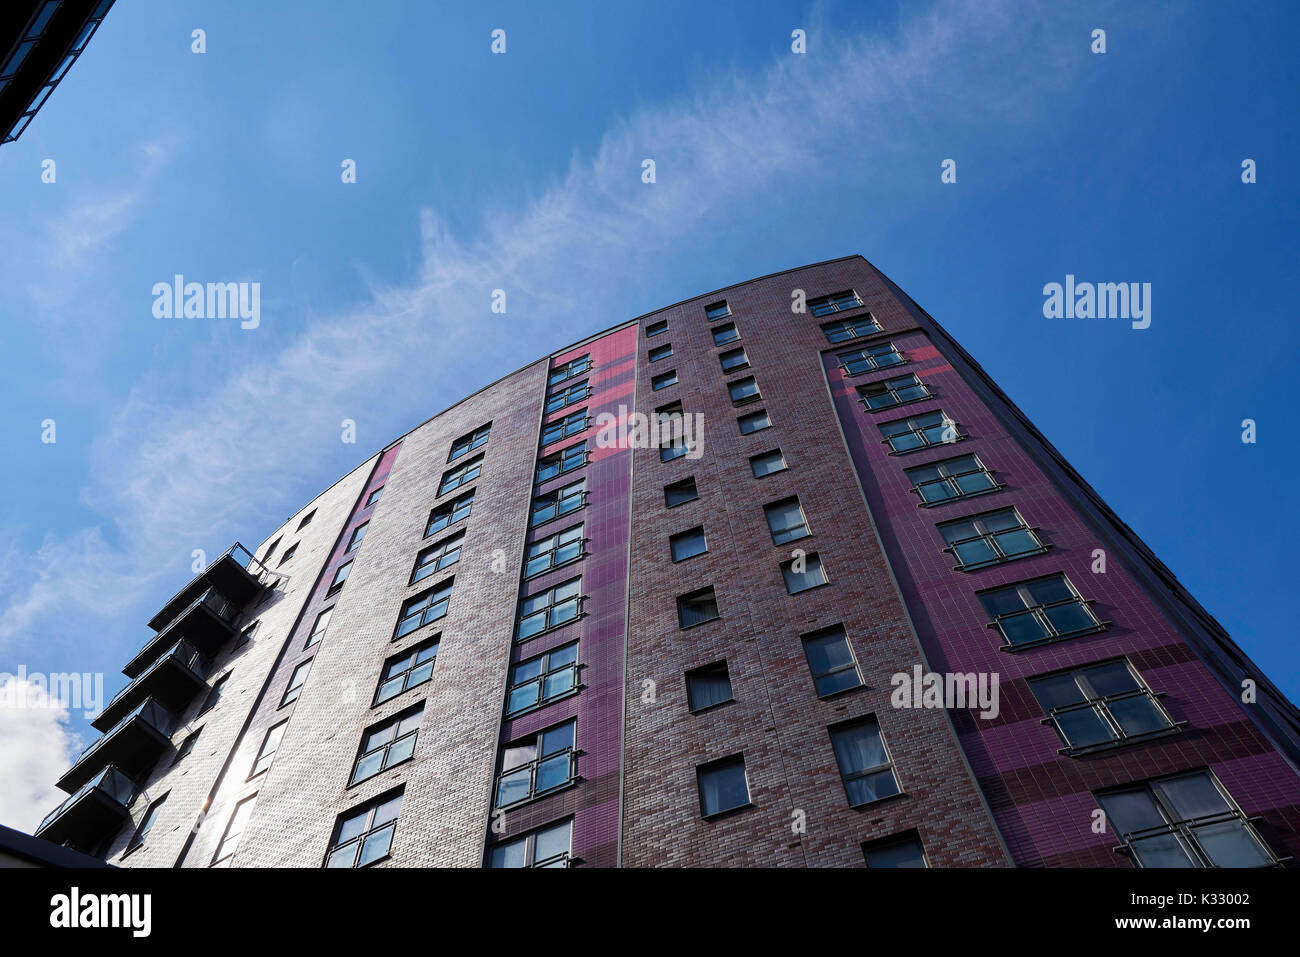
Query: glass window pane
x=1112 y=678
x=1231 y=844
x=1162 y=850
x=1130 y=811
x=552 y=772
x=858 y=747
x=1192 y=796
x=1138 y=715
x=513 y=787
x=557 y=739
x=552 y=841
x=871 y=787
x=1069 y=618
x=558 y=683
x=376 y=846
x=509 y=855
x=1084 y=727
x=524 y=696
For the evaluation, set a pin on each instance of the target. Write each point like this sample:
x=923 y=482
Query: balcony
x=134 y=745
x=206 y=623
x=236 y=574
x=172 y=680
x=94 y=813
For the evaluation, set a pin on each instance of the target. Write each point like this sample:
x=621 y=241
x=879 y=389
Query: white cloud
x=35 y=748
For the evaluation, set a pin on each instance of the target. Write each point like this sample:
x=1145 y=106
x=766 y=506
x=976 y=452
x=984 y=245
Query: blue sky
x=522 y=171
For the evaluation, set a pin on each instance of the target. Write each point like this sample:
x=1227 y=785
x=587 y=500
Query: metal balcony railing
x=235 y=573
x=174 y=678
x=134 y=744
x=110 y=782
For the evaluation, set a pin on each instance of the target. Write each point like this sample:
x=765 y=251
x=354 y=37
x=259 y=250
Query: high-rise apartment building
x=647 y=601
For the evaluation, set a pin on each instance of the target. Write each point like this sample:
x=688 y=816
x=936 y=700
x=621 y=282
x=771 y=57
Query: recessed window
x=289 y=553
x=803 y=573
x=247 y=634
x=842 y=330
x=271 y=551
x=723 y=786
x=725 y=333
x=426 y=607
x=318 y=627
x=469 y=442
x=831 y=661
x=671 y=432
x=435 y=558
x=536 y=765
x=754 y=422
x=454 y=511
x=365 y=835
x=549 y=609
x=186 y=747
x=1034 y=612
x=733 y=360
x=559 y=549
x=387 y=744
x=214 y=696
x=688 y=544
x=716 y=311
x=766 y=463
x=235 y=828
x=882 y=355
x=1099 y=706
x=404 y=671
x=461 y=475
x=541 y=680
x=306 y=519
x=679 y=493
x=708 y=686
x=358 y=534
x=836 y=302
x=567 y=396
x=569 y=370
x=697 y=607
x=566 y=460
x=562 y=501
x=374 y=496
x=990 y=539
x=786 y=521
x=296 y=681
x=743 y=390
x=571 y=424
x=1184 y=820
x=660 y=352
x=550 y=846
x=895 y=391
x=920 y=432
x=340 y=578
x=655 y=328
x=663 y=380
x=146 y=823
x=864 y=763
x=270 y=744
x=951 y=479
x=901 y=850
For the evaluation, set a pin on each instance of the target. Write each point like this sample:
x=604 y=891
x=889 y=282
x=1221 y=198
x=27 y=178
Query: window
x=725 y=333
x=570 y=370
x=719 y=310
x=1105 y=704
x=733 y=360
x=803 y=573
x=468 y=443
x=234 y=830
x=270 y=744
x=1034 y=612
x=365 y=835
x=697 y=607
x=387 y=744
x=560 y=549
x=549 y=609
x=318 y=628
x=567 y=396
x=870 y=358
x=708 y=686
x=536 y=765
x=688 y=544
x=449 y=514
x=374 y=496
x=844 y=329
x=864 y=763
x=990 y=539
x=663 y=380
x=340 y=577
x=288 y=553
x=270 y=551
x=571 y=424
x=754 y=422
x=722 y=785
x=306 y=519
x=403 y=672
x=895 y=391
x=247 y=634
x=785 y=520
x=836 y=302
x=437 y=557
x=543 y=679
x=901 y=850
x=423 y=608
x=831 y=661
x=766 y=463
x=562 y=501
x=574 y=457
x=146 y=823
x=670 y=432
x=920 y=432
x=460 y=475
x=186 y=747
x=951 y=479
x=743 y=390
x=679 y=493
x=214 y=696
x=655 y=328
x=296 y=681
x=660 y=352
x=358 y=534
x=1185 y=820
x=550 y=846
